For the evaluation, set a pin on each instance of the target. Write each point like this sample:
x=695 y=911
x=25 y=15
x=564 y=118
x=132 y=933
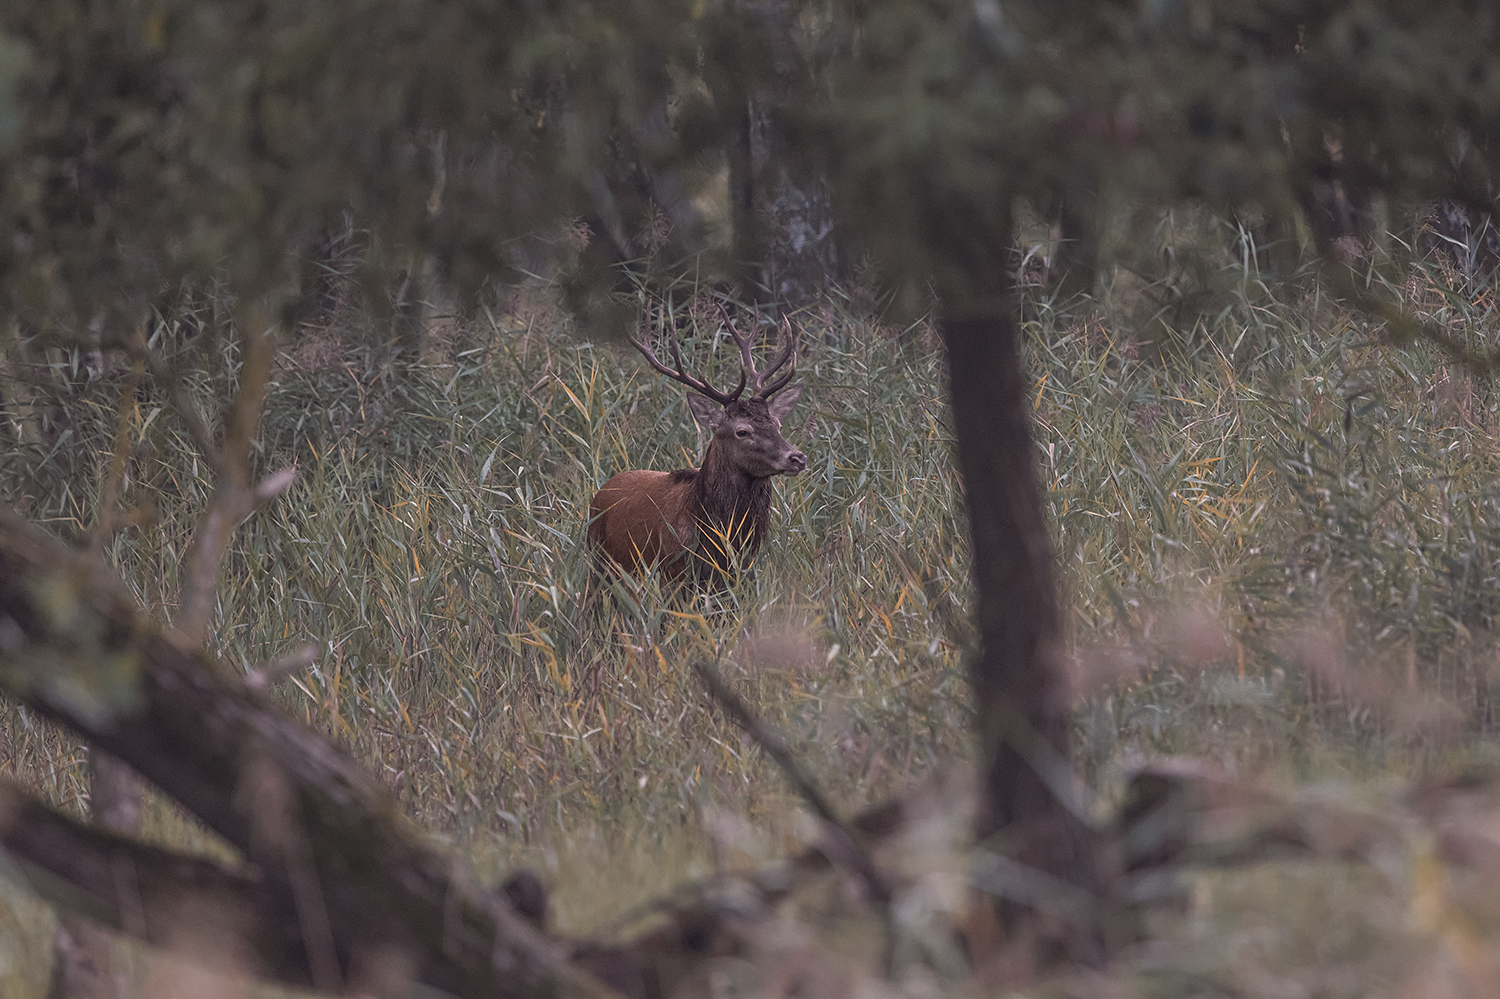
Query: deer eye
x=742 y=432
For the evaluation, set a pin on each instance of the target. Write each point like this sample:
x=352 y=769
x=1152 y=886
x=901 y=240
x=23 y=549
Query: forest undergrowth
x=1279 y=537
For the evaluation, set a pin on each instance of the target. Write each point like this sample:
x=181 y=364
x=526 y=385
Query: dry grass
x=1278 y=538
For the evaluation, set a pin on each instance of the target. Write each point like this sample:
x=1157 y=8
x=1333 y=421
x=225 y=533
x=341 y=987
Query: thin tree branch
x=234 y=499
x=145 y=892
x=75 y=647
x=279 y=669
x=846 y=837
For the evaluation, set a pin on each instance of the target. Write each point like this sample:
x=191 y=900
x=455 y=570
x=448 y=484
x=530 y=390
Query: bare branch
x=846 y=839
x=269 y=675
x=75 y=647
x=274 y=485
x=254 y=328
x=145 y=892
x=226 y=511
x=1183 y=811
x=233 y=500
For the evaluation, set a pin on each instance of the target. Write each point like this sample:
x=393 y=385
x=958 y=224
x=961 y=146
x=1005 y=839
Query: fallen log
x=327 y=849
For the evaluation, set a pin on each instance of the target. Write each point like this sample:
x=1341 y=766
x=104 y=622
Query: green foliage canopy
x=941 y=110
x=141 y=142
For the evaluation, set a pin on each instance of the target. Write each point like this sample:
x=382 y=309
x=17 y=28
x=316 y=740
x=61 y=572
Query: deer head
x=746 y=432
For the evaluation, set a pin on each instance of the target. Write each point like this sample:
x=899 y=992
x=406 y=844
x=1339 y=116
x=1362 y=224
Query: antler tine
x=681 y=376
x=747 y=362
x=789 y=352
x=741 y=386
x=725 y=398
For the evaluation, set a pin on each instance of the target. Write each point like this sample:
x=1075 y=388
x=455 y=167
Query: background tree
x=944 y=116
x=149 y=149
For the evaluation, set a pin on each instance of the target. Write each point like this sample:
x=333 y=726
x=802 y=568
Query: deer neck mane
x=731 y=502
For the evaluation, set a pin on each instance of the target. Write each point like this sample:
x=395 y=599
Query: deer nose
x=797 y=460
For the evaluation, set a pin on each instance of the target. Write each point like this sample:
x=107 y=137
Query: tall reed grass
x=1277 y=534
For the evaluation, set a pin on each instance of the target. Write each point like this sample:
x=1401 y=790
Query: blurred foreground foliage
x=148 y=143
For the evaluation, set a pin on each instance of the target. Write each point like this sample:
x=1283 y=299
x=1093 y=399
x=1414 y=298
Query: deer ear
x=708 y=413
x=785 y=400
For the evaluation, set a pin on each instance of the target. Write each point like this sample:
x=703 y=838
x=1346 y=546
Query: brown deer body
x=705 y=522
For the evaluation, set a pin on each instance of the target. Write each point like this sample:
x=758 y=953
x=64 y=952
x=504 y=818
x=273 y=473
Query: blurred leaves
x=149 y=142
x=180 y=139
x=14 y=61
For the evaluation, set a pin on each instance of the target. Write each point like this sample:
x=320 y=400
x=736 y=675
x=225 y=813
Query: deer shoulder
x=711 y=520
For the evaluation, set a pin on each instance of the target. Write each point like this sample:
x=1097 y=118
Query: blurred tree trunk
x=337 y=887
x=746 y=245
x=800 y=252
x=1077 y=260
x=83 y=964
x=781 y=211
x=1020 y=690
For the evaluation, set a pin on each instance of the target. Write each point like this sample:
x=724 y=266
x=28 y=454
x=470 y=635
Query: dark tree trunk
x=326 y=841
x=1077 y=260
x=747 y=245
x=793 y=207
x=83 y=960
x=781 y=211
x=801 y=252
x=1019 y=685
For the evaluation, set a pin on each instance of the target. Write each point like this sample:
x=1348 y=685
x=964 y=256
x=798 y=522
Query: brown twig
x=114 y=479
x=279 y=669
x=845 y=838
x=1402 y=327
x=234 y=499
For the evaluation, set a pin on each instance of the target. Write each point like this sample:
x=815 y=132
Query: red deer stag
x=706 y=522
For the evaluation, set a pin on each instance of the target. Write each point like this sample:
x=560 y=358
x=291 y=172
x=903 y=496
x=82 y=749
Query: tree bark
x=1077 y=262
x=784 y=243
x=330 y=843
x=151 y=894
x=745 y=232
x=84 y=965
x=1019 y=686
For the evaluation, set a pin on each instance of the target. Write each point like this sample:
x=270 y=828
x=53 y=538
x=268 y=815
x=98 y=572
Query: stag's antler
x=748 y=375
x=681 y=375
x=758 y=388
